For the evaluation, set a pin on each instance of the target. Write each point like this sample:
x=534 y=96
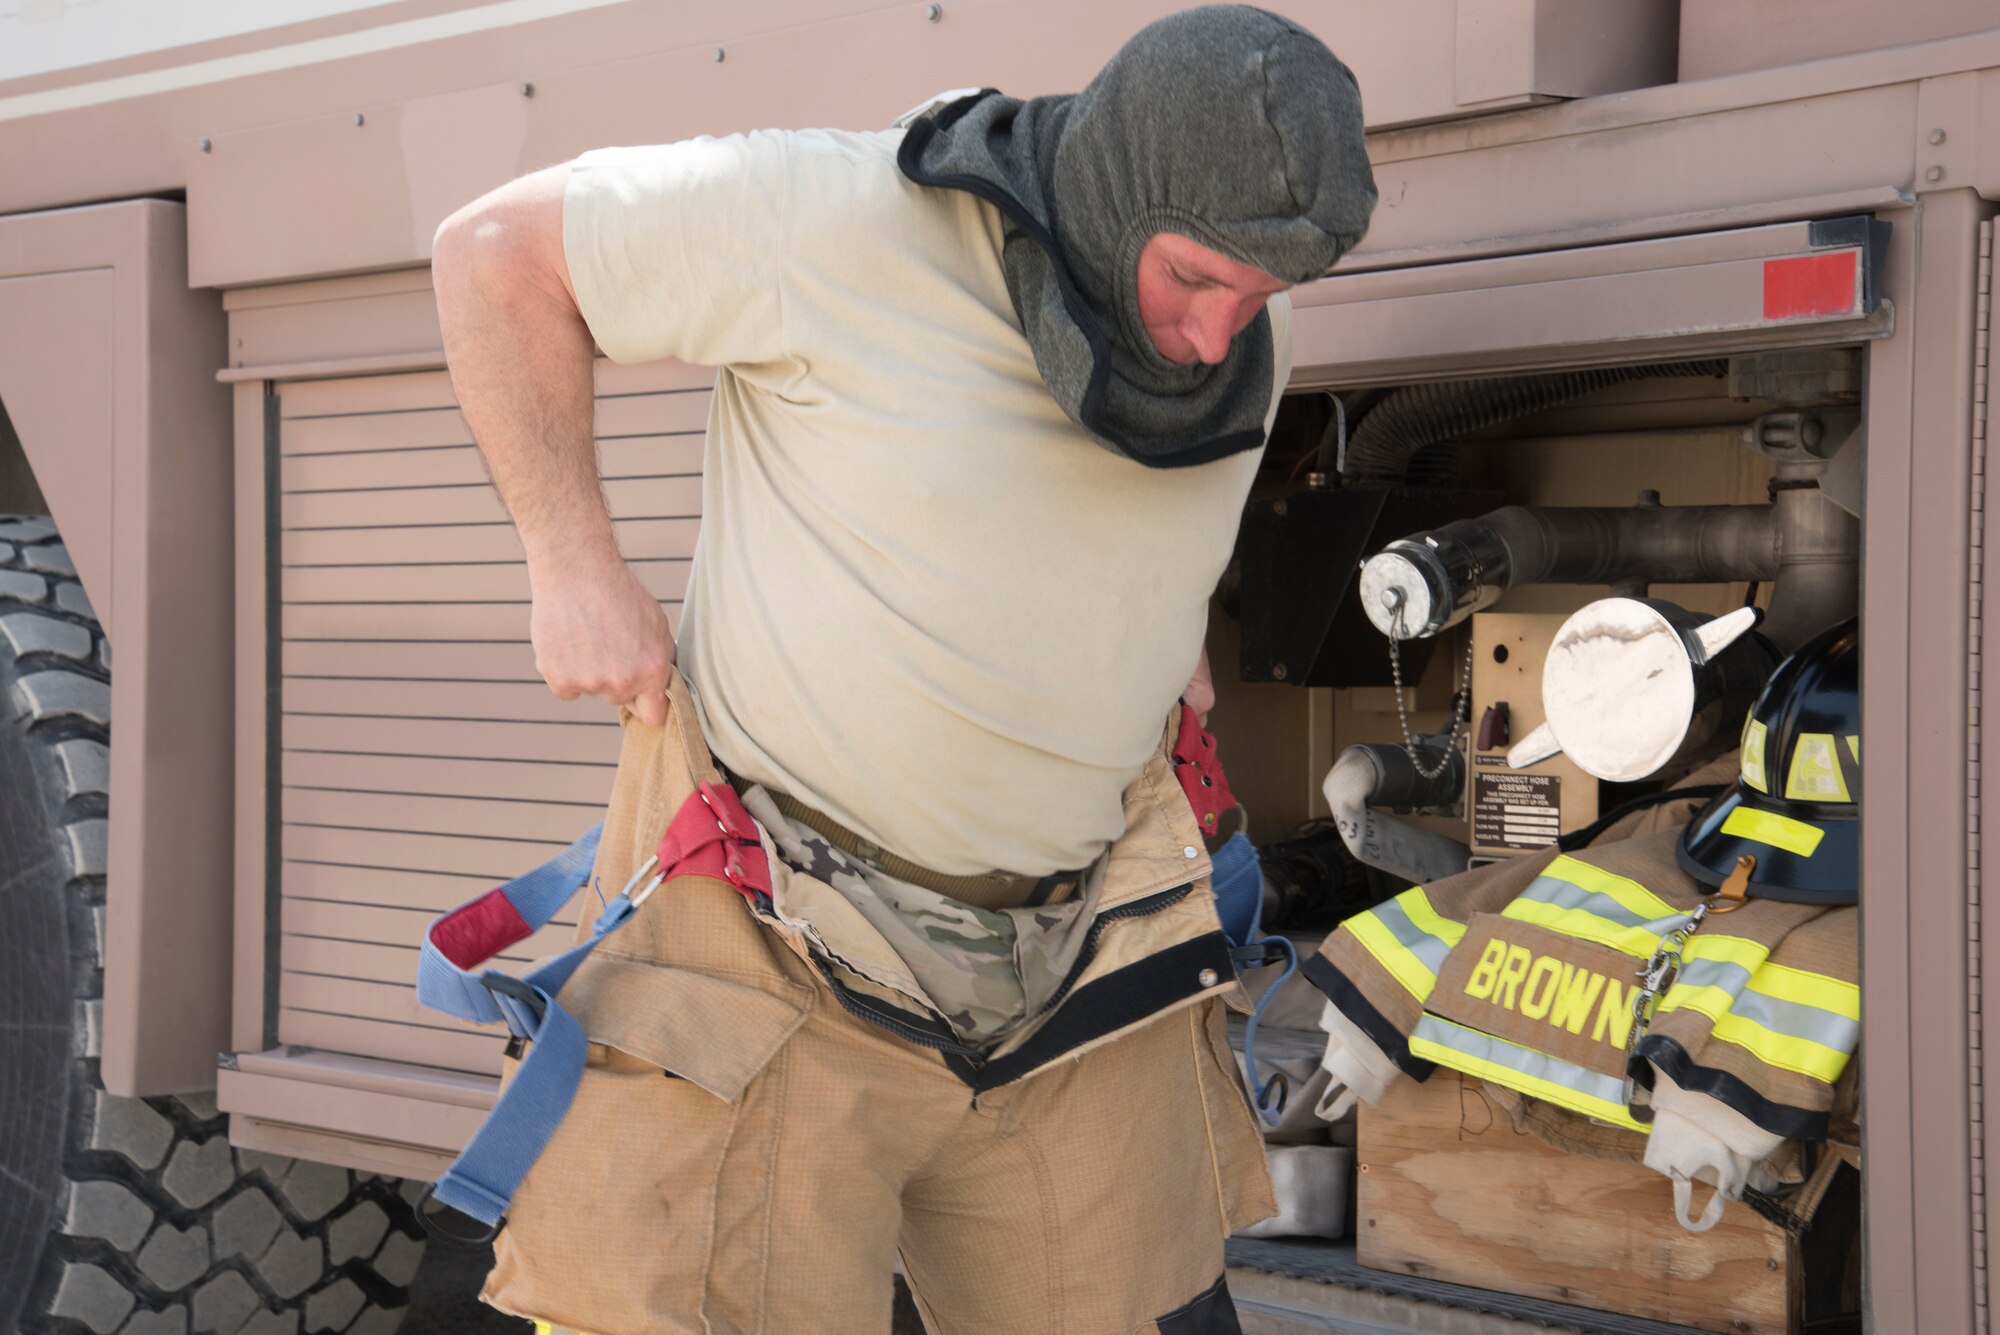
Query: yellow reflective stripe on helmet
x=1768 y=827
x=1632 y=896
x=1407 y=937
x=1551 y=1079
x=544 y=1328
x=1751 y=766
x=1815 y=774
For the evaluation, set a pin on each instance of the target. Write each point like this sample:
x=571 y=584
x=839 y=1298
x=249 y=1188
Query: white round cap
x=1388 y=578
x=1618 y=689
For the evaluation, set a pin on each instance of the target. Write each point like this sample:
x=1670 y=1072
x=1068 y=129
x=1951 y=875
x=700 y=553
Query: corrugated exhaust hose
x=1411 y=419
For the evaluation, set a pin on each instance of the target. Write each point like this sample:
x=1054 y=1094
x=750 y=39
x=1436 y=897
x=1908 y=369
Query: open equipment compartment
x=1706 y=358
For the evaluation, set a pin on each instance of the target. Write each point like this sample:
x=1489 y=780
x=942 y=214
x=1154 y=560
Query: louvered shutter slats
x=422 y=759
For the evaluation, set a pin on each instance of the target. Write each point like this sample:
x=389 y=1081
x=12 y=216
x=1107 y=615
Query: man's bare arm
x=520 y=358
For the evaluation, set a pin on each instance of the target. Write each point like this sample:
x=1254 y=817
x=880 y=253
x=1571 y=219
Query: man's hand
x=598 y=631
x=1200 y=691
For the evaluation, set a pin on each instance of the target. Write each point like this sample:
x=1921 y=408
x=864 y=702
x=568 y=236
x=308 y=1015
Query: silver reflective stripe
x=1731 y=978
x=1431 y=950
x=1526 y=1061
x=1793 y=1018
x=1798 y=1020
x=1568 y=895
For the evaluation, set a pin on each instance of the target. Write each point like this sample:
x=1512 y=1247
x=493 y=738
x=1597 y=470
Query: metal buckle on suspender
x=646 y=890
x=430 y=1221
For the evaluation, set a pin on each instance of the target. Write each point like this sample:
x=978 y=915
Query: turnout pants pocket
x=611 y=1231
x=1242 y=1179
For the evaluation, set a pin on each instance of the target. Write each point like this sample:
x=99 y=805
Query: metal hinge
x=1974 y=909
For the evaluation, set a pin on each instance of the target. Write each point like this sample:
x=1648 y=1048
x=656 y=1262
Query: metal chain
x=1461 y=700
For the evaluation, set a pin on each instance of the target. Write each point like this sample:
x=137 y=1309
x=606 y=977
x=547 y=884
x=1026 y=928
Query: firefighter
x=938 y=971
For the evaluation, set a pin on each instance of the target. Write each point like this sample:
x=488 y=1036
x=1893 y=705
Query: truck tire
x=132 y=1216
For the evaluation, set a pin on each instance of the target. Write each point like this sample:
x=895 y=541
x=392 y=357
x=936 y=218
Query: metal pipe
x=1421 y=585
x=1819 y=567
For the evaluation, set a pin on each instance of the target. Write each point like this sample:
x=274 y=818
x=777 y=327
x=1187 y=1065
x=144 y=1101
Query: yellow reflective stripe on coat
x=1787 y=1018
x=1712 y=946
x=1573 y=898
x=1409 y=938
x=1551 y=1079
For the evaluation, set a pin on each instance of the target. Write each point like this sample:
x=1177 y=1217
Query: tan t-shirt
x=923 y=601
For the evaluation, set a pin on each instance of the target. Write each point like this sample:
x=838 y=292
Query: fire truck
x=270 y=704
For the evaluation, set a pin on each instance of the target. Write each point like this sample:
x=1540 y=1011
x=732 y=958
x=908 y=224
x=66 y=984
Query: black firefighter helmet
x=1796 y=804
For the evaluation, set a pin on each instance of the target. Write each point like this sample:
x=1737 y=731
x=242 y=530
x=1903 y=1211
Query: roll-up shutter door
x=422 y=759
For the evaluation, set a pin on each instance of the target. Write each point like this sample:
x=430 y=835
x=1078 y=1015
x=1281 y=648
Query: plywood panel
x=479 y=504
x=653 y=455
x=473 y=1050
x=1448 y=1189
x=637 y=538
x=546 y=742
x=477 y=816
x=496 y=582
x=363 y=904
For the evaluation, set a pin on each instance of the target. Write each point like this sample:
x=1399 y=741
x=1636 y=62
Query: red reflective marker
x=1809 y=285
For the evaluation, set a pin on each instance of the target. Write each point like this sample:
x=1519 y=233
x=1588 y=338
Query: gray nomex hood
x=1226 y=124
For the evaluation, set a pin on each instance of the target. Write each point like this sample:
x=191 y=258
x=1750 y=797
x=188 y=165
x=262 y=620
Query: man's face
x=1193 y=300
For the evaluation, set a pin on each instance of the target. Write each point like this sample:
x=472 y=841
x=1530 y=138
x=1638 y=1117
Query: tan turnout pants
x=745 y=1155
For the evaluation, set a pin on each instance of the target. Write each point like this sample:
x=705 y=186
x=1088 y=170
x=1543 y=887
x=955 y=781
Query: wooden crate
x=1448 y=1189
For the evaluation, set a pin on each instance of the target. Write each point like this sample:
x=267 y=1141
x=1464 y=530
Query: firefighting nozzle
x=1385 y=776
x=1632 y=686
x=1437 y=579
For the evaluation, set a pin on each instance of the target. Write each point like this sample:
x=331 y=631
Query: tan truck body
x=219 y=351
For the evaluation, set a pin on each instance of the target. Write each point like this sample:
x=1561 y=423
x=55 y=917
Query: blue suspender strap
x=1238 y=883
x=451 y=977
x=1269 y=1097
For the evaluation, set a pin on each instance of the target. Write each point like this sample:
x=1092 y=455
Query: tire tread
x=129 y=1255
